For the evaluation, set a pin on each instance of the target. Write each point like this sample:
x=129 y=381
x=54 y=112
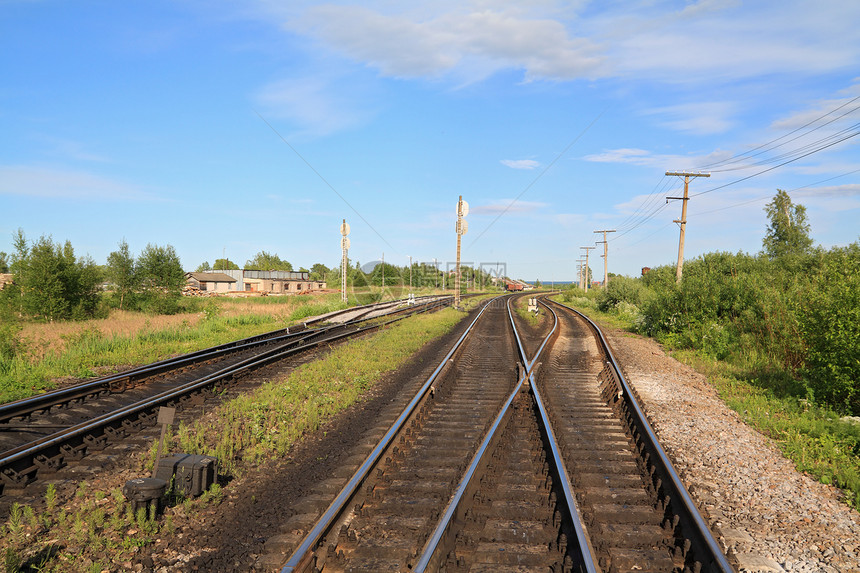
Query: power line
x=855 y=134
x=739 y=156
x=541 y=174
x=323 y=179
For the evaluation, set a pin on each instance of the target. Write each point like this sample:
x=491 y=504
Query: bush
x=830 y=324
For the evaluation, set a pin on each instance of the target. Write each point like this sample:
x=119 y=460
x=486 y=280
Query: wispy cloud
x=708 y=40
x=642 y=157
x=838 y=110
x=499 y=206
x=317 y=106
x=70 y=149
x=848 y=190
x=427 y=42
x=521 y=163
x=703 y=118
x=65 y=184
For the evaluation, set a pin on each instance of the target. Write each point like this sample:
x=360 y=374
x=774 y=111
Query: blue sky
x=235 y=127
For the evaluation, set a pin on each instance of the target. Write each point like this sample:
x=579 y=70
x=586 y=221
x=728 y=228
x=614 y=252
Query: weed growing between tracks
x=102 y=346
x=815 y=439
x=94 y=531
x=270 y=420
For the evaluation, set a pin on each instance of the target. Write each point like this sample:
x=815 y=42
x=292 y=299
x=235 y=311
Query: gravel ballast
x=770 y=516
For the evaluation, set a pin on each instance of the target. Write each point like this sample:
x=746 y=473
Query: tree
x=788 y=232
x=203 y=267
x=122 y=272
x=225 y=265
x=4 y=262
x=50 y=282
x=160 y=268
x=319 y=272
x=162 y=278
x=264 y=261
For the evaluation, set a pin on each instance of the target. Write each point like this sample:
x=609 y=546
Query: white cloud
x=839 y=111
x=731 y=42
x=520 y=163
x=701 y=118
x=709 y=40
x=500 y=206
x=623 y=155
x=642 y=157
x=64 y=184
x=71 y=149
x=477 y=40
x=839 y=191
x=318 y=106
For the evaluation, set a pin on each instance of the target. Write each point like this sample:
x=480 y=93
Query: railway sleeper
x=49 y=464
x=17 y=479
x=74 y=452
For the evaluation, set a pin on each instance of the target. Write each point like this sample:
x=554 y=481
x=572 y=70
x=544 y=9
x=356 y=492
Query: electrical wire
x=807 y=154
x=324 y=180
x=741 y=156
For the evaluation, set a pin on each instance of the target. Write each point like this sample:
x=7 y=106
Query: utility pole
x=580 y=263
x=410 y=274
x=605 y=256
x=436 y=273
x=461 y=228
x=344 y=259
x=586 y=265
x=683 y=221
x=382 y=296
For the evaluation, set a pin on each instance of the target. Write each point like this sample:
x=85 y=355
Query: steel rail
x=586 y=548
x=47 y=400
x=719 y=562
x=42 y=444
x=436 y=544
x=301 y=556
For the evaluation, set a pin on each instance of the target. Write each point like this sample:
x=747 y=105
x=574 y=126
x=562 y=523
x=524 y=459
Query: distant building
x=210 y=281
x=253 y=281
x=645 y=270
x=5 y=279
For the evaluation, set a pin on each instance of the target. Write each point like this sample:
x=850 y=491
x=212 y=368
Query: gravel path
x=771 y=517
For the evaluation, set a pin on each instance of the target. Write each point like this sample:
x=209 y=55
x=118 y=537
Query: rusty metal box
x=191 y=474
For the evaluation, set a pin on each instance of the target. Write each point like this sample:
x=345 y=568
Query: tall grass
x=270 y=420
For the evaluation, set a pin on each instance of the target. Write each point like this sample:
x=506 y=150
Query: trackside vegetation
x=778 y=334
x=270 y=420
x=29 y=367
x=97 y=531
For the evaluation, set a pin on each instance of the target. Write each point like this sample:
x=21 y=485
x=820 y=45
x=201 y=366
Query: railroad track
x=505 y=461
x=41 y=435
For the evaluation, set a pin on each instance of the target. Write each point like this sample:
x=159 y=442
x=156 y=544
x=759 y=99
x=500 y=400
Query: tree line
x=790 y=313
x=52 y=283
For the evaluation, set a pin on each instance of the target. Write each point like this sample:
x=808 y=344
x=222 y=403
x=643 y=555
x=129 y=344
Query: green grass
x=815 y=439
x=90 y=351
x=248 y=429
x=270 y=420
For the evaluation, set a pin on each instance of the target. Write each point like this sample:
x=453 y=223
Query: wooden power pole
x=586 y=265
x=683 y=221
x=462 y=227
x=605 y=256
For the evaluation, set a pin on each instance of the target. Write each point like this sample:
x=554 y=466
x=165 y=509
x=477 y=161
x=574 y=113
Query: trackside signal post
x=344 y=260
x=683 y=221
x=461 y=228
